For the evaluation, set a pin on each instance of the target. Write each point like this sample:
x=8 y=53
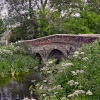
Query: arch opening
x=38 y=56
x=56 y=54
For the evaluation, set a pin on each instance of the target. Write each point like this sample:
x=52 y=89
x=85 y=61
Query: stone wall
x=62 y=42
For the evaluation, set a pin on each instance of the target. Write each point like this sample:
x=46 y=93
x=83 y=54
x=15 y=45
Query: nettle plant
x=78 y=78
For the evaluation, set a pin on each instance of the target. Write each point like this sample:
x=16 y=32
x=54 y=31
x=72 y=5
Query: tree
x=45 y=17
x=94 y=5
x=92 y=20
x=26 y=12
x=2 y=27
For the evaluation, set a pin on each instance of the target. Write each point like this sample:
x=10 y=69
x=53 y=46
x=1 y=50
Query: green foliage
x=88 y=22
x=92 y=20
x=59 y=18
x=76 y=26
x=18 y=34
x=78 y=78
x=1 y=23
x=15 y=60
x=48 y=23
x=2 y=28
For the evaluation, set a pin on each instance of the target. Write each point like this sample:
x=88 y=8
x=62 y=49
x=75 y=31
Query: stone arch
x=39 y=57
x=56 y=54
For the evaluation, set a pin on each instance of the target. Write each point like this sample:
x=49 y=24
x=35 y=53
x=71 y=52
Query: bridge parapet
x=62 y=38
x=59 y=44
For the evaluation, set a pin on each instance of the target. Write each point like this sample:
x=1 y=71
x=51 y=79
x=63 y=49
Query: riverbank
x=78 y=78
x=15 y=60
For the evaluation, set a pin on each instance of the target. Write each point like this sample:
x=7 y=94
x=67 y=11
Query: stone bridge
x=58 y=46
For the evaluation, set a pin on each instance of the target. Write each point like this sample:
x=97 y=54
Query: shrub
x=78 y=78
x=15 y=60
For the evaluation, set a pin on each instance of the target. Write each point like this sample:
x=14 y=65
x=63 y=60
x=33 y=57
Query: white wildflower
x=44 y=69
x=37 y=84
x=67 y=64
x=74 y=73
x=49 y=90
x=33 y=81
x=16 y=42
x=81 y=71
x=84 y=67
x=89 y=92
x=54 y=88
x=63 y=98
x=50 y=62
x=59 y=87
x=44 y=95
x=71 y=95
x=75 y=56
x=82 y=53
x=85 y=58
x=76 y=53
x=60 y=71
x=49 y=72
x=79 y=92
x=75 y=94
x=17 y=48
x=44 y=81
x=55 y=92
x=77 y=71
x=76 y=83
x=71 y=82
x=82 y=91
x=41 y=87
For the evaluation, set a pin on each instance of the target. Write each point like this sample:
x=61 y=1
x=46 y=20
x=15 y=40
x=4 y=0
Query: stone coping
x=72 y=35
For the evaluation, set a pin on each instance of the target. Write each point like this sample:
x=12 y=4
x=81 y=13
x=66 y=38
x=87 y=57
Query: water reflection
x=17 y=89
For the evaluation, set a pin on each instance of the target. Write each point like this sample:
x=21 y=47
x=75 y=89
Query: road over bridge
x=58 y=46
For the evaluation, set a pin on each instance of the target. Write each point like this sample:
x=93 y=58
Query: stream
x=17 y=88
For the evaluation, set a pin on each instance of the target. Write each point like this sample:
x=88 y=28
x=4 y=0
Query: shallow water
x=17 y=88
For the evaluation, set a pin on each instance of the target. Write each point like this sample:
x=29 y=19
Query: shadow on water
x=18 y=88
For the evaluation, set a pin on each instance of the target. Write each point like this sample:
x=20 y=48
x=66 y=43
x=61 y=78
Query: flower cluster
x=77 y=72
x=79 y=92
x=58 y=87
x=85 y=58
x=68 y=76
x=77 y=54
x=89 y=92
x=76 y=93
x=72 y=82
x=67 y=64
x=5 y=52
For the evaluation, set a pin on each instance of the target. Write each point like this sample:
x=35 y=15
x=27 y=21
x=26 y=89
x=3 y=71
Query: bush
x=78 y=78
x=15 y=60
x=17 y=34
